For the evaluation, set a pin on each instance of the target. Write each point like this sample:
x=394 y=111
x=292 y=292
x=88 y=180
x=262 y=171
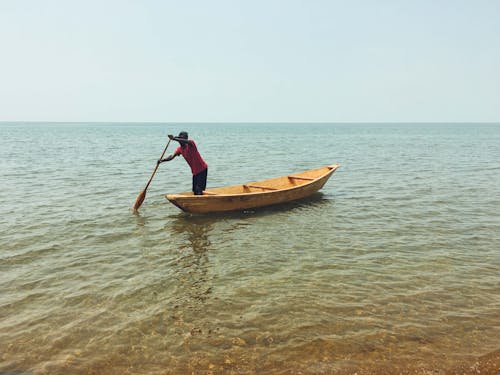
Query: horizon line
x=247 y=122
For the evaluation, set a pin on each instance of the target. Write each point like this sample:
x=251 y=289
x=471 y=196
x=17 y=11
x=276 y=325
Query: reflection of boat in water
x=255 y=194
x=190 y=266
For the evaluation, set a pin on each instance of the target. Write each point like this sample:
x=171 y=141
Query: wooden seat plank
x=301 y=178
x=260 y=187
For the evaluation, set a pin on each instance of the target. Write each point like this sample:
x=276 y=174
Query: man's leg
x=200 y=182
x=195 y=184
x=203 y=179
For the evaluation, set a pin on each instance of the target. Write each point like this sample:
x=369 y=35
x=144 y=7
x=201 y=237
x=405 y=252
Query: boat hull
x=255 y=194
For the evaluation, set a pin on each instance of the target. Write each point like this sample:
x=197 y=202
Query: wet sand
x=484 y=364
x=237 y=364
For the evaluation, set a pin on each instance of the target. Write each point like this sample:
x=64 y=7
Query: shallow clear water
x=394 y=265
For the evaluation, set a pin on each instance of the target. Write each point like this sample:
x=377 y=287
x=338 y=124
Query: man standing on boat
x=190 y=153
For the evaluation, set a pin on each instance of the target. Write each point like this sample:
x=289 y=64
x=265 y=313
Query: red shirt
x=192 y=156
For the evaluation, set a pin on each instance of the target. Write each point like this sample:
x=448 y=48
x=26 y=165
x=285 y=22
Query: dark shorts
x=200 y=182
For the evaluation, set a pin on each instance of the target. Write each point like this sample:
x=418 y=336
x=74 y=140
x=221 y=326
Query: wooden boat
x=255 y=194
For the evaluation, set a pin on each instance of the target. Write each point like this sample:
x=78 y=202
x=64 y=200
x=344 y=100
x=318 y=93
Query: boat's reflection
x=193 y=230
x=193 y=277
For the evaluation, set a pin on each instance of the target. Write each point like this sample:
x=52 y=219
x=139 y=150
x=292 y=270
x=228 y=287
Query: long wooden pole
x=142 y=194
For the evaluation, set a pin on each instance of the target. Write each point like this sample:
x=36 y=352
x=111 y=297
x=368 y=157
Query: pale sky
x=262 y=61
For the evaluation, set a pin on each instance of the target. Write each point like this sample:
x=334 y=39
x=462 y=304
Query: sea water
x=393 y=266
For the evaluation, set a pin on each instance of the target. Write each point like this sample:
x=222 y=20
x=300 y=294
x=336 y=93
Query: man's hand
x=159 y=161
x=170 y=136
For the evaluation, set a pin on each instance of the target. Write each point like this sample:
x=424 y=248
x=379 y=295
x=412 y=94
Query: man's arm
x=180 y=140
x=168 y=158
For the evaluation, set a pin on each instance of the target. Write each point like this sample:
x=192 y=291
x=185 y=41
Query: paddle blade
x=139 y=200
